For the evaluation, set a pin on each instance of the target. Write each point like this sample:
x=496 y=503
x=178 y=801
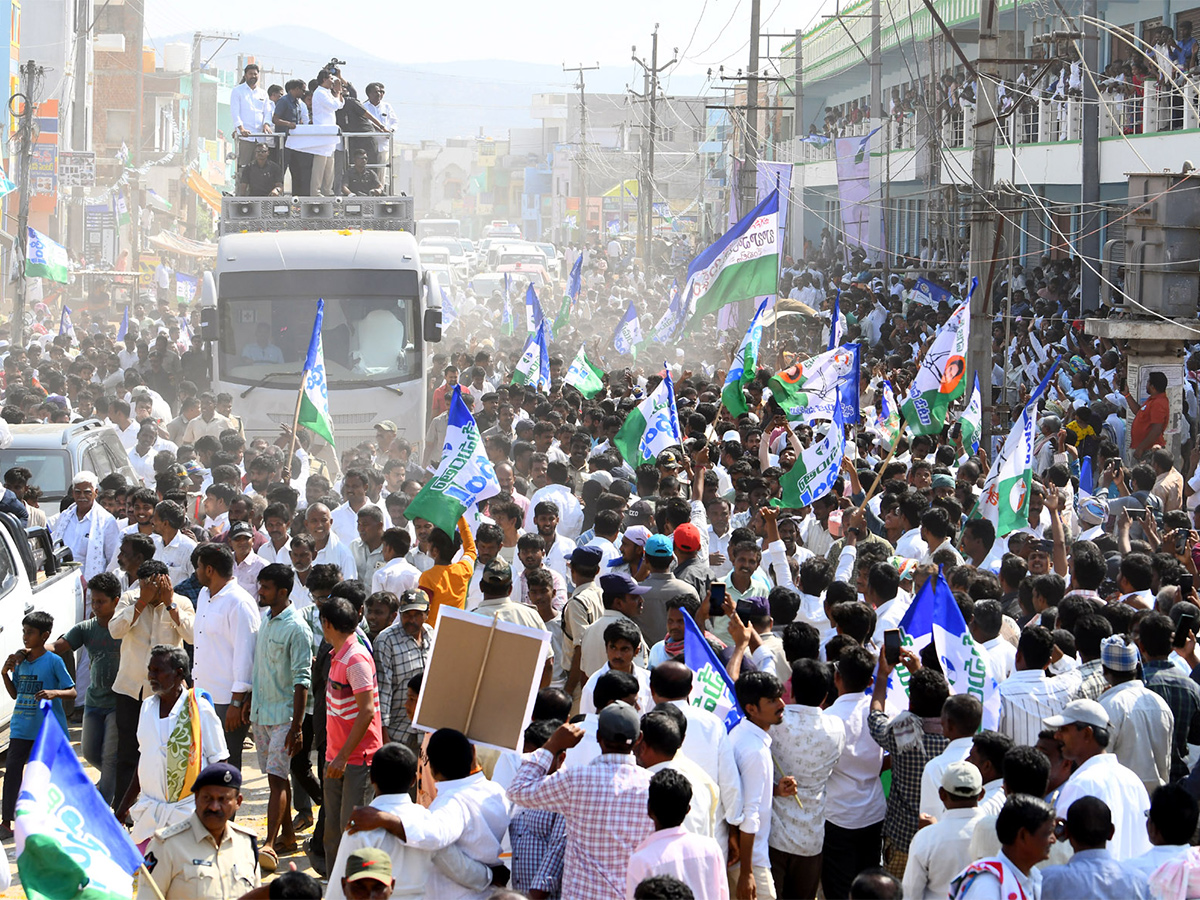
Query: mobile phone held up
x=1187 y=624
x=717 y=606
x=891 y=646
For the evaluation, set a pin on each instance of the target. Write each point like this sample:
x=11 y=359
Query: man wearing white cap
x=942 y=850
x=1140 y=721
x=1083 y=730
x=1093 y=513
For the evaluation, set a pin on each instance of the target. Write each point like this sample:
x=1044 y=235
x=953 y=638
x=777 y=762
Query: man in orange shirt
x=443 y=393
x=1150 y=418
x=447 y=581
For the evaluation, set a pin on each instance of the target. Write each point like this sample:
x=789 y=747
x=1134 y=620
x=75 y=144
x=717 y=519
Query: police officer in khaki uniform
x=208 y=856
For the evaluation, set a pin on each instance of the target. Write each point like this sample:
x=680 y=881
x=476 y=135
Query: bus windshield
x=363 y=338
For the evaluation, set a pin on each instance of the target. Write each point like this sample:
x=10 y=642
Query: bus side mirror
x=208 y=323
x=432 y=330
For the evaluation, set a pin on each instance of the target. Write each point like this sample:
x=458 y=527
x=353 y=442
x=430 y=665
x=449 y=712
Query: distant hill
x=434 y=101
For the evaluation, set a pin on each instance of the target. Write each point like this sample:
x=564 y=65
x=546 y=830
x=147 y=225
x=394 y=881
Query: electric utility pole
x=749 y=176
x=646 y=182
x=193 y=144
x=581 y=159
x=984 y=225
x=31 y=74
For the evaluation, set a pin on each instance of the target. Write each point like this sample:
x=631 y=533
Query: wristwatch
x=172 y=606
x=236 y=704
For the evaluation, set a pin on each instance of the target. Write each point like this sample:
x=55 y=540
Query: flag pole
x=879 y=474
x=295 y=424
x=145 y=878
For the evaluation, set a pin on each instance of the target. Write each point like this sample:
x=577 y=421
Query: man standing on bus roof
x=251 y=112
x=381 y=110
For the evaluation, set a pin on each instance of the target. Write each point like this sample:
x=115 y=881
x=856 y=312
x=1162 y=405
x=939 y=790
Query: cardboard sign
x=482 y=678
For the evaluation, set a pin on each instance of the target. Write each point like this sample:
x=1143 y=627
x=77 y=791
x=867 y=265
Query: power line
x=582 y=158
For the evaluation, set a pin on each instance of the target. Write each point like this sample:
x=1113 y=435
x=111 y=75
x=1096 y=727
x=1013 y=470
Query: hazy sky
x=707 y=32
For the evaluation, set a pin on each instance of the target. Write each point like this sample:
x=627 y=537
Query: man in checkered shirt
x=604 y=803
x=401 y=651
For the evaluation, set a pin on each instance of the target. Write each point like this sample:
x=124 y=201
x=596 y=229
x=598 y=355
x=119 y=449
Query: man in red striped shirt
x=352 y=724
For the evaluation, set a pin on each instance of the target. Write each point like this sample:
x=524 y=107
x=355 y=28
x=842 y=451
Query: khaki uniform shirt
x=187 y=864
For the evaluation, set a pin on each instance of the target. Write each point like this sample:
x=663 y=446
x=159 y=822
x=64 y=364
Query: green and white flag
x=68 y=842
x=314 y=390
x=1004 y=500
x=743 y=367
x=652 y=427
x=972 y=419
x=942 y=376
x=742 y=264
x=584 y=377
x=534 y=365
x=815 y=470
x=46 y=259
x=465 y=475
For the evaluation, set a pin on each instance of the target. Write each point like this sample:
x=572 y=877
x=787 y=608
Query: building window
x=118 y=127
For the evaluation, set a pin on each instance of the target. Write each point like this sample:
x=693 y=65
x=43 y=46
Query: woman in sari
x=178 y=735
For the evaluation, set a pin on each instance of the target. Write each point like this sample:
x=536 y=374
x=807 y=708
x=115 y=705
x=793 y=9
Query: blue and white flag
x=64 y=323
x=314 y=389
x=186 y=287
x=449 y=313
x=534 y=365
x=575 y=280
x=629 y=332
x=7 y=185
x=124 y=329
x=836 y=333
x=533 y=310
x=465 y=476
x=506 y=320
x=66 y=835
x=927 y=293
x=815 y=470
x=672 y=320
x=1086 y=488
x=934 y=616
x=712 y=688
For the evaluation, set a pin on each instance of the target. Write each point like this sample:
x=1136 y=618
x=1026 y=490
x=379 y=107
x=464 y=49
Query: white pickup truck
x=32 y=577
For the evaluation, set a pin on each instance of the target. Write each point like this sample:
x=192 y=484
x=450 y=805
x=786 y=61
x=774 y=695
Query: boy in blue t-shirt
x=40 y=675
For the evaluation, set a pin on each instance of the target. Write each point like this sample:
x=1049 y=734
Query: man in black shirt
x=360 y=180
x=353 y=118
x=261 y=178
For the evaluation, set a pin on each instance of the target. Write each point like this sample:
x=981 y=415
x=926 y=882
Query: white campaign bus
x=260 y=301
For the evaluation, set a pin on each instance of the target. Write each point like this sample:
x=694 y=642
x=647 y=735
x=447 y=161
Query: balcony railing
x=1161 y=108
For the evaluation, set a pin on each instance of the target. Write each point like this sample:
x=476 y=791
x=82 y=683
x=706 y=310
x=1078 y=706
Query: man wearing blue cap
x=622 y=599
x=661 y=586
x=207 y=856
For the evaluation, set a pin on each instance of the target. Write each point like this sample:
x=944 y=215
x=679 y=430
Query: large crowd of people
x=238 y=598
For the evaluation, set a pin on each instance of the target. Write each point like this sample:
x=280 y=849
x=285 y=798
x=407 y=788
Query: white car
x=553 y=263
x=457 y=256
